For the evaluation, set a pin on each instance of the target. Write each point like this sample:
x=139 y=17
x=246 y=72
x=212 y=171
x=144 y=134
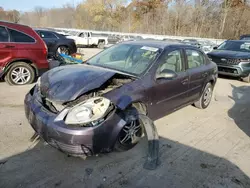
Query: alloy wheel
x=63 y=50
x=20 y=75
x=207 y=96
x=131 y=133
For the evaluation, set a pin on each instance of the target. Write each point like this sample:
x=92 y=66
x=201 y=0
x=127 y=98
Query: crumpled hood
x=230 y=54
x=66 y=83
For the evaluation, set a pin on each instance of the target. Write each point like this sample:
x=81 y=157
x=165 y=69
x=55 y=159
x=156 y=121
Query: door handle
x=9 y=46
x=185 y=81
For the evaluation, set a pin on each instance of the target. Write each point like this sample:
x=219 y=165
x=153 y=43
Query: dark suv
x=93 y=107
x=57 y=43
x=23 y=54
x=233 y=58
x=245 y=37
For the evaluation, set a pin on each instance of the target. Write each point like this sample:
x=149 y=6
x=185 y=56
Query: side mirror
x=166 y=74
x=216 y=47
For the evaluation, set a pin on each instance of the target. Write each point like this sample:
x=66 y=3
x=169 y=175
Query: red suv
x=23 y=54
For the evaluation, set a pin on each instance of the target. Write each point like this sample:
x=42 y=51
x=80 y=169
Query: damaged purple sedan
x=93 y=107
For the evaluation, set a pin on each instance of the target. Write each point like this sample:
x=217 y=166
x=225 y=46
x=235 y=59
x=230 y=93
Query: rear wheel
x=205 y=98
x=101 y=45
x=132 y=132
x=62 y=50
x=246 y=79
x=20 y=73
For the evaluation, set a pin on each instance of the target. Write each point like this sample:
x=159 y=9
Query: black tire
x=204 y=102
x=130 y=113
x=246 y=79
x=101 y=45
x=65 y=50
x=10 y=77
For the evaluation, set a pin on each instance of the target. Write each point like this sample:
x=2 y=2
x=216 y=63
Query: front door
x=169 y=94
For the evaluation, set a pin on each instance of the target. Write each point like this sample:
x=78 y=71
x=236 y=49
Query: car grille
x=228 y=70
x=225 y=61
x=71 y=149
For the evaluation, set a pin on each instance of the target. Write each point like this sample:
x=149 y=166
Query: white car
x=83 y=39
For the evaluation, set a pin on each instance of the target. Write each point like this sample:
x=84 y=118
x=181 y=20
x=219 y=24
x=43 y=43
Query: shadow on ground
x=181 y=166
x=240 y=112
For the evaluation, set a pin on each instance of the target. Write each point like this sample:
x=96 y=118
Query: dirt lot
x=198 y=148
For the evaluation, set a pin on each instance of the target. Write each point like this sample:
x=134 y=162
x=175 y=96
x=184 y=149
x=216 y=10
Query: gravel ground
x=198 y=148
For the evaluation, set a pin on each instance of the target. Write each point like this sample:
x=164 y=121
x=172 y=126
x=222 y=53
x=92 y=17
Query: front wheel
x=205 y=98
x=246 y=79
x=132 y=132
x=20 y=73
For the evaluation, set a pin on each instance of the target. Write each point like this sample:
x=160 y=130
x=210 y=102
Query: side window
x=47 y=35
x=195 y=59
x=17 y=36
x=4 y=36
x=83 y=35
x=171 y=61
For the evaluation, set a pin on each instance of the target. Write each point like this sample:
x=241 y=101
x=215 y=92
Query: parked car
x=129 y=38
x=112 y=39
x=81 y=115
x=86 y=39
x=192 y=42
x=233 y=58
x=245 y=37
x=57 y=43
x=206 y=46
x=171 y=40
x=23 y=54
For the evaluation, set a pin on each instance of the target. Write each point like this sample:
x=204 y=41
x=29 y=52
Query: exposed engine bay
x=115 y=82
x=90 y=108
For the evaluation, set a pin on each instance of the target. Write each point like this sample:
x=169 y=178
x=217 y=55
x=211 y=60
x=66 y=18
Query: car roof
x=239 y=41
x=156 y=43
x=6 y=23
x=246 y=35
x=38 y=29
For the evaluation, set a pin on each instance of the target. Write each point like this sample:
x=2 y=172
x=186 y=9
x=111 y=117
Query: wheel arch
x=126 y=101
x=28 y=61
x=101 y=40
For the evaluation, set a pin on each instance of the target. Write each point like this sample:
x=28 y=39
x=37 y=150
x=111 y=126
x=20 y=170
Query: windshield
x=128 y=58
x=235 y=46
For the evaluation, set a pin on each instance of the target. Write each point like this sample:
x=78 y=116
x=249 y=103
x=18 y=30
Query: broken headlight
x=89 y=111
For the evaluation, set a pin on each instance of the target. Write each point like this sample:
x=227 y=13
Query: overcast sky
x=28 y=5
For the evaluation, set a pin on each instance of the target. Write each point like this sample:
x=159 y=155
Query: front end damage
x=85 y=126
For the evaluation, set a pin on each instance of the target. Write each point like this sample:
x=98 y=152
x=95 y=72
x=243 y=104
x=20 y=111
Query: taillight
x=45 y=49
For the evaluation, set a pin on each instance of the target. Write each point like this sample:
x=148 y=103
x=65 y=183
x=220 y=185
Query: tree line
x=226 y=19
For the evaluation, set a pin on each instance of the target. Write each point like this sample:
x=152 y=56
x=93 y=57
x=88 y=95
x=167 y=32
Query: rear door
x=22 y=45
x=5 y=47
x=197 y=71
x=170 y=94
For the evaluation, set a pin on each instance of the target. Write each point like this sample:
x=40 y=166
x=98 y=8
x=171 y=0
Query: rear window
x=47 y=35
x=17 y=36
x=4 y=36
